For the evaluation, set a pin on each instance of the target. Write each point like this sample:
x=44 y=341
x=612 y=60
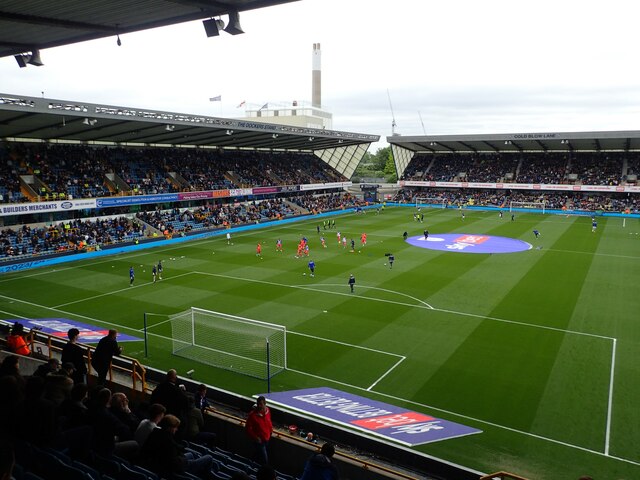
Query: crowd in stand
x=74 y=235
x=55 y=172
x=60 y=413
x=586 y=168
x=591 y=202
x=321 y=203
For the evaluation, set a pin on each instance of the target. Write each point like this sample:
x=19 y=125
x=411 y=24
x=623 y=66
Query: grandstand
x=112 y=186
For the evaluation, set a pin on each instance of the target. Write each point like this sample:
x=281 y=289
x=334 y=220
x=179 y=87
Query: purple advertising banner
x=376 y=418
x=195 y=195
x=58 y=327
x=263 y=190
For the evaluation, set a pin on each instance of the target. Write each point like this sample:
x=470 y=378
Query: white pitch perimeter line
x=121 y=290
x=363 y=389
x=69 y=313
x=609 y=406
x=466 y=417
x=386 y=373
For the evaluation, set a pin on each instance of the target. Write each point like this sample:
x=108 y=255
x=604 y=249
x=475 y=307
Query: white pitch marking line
x=610 y=403
x=121 y=290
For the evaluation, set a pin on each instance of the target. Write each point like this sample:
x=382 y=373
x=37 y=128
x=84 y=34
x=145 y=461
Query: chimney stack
x=316 y=79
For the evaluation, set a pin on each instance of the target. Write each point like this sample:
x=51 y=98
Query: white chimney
x=316 y=79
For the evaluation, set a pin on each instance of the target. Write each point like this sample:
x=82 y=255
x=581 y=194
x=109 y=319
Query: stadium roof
x=39 y=24
x=23 y=117
x=519 y=142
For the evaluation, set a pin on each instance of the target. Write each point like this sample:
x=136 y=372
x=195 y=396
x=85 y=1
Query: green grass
x=519 y=345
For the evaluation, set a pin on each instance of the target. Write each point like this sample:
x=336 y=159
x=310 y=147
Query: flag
x=241 y=104
x=264 y=106
x=216 y=99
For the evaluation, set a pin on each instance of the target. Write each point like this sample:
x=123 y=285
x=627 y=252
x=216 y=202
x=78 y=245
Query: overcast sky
x=464 y=66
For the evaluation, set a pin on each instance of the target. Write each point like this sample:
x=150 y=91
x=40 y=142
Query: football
x=304 y=274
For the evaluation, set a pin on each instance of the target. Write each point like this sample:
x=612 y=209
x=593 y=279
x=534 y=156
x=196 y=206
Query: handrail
x=136 y=371
x=364 y=464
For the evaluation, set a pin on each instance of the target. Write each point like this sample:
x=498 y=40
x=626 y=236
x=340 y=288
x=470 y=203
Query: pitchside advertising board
x=58 y=327
x=375 y=418
x=106 y=202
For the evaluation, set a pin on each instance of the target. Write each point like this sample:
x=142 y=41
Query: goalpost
x=430 y=202
x=253 y=348
x=539 y=206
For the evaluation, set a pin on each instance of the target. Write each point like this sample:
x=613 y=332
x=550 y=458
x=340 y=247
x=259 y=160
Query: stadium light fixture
x=31 y=59
x=311 y=139
x=274 y=136
x=90 y=121
x=229 y=132
x=213 y=26
x=170 y=128
x=118 y=41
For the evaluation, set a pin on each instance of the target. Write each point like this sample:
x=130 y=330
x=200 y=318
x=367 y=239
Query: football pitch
x=536 y=348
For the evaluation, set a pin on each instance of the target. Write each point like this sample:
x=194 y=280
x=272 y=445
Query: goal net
x=435 y=202
x=242 y=345
x=534 y=206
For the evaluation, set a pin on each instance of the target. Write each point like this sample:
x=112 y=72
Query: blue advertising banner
x=58 y=327
x=376 y=418
x=136 y=200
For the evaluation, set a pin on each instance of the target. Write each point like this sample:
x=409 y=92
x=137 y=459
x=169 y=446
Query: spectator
x=146 y=426
x=119 y=407
x=105 y=351
x=200 y=398
x=16 y=341
x=44 y=369
x=110 y=435
x=319 y=466
x=193 y=430
x=74 y=353
x=163 y=455
x=171 y=395
x=258 y=428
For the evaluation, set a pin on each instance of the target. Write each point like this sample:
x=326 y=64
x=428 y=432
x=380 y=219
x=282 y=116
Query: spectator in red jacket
x=259 y=428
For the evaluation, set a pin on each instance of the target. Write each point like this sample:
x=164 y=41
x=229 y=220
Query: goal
x=253 y=348
x=535 y=207
x=435 y=202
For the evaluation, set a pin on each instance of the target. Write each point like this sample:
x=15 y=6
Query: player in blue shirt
x=159 y=269
x=312 y=267
x=154 y=273
x=594 y=225
x=132 y=275
x=536 y=233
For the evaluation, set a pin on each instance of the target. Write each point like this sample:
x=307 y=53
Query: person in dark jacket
x=105 y=351
x=162 y=454
x=319 y=466
x=74 y=353
x=171 y=395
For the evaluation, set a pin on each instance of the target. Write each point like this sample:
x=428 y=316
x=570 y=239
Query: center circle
x=469 y=243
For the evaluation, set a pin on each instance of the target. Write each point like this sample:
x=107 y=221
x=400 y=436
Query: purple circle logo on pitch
x=470 y=243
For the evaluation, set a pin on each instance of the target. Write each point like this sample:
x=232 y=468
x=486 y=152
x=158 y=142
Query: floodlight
x=170 y=128
x=229 y=132
x=90 y=121
x=32 y=59
x=213 y=26
x=275 y=135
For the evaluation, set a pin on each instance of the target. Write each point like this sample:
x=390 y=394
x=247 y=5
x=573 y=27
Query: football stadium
x=476 y=319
